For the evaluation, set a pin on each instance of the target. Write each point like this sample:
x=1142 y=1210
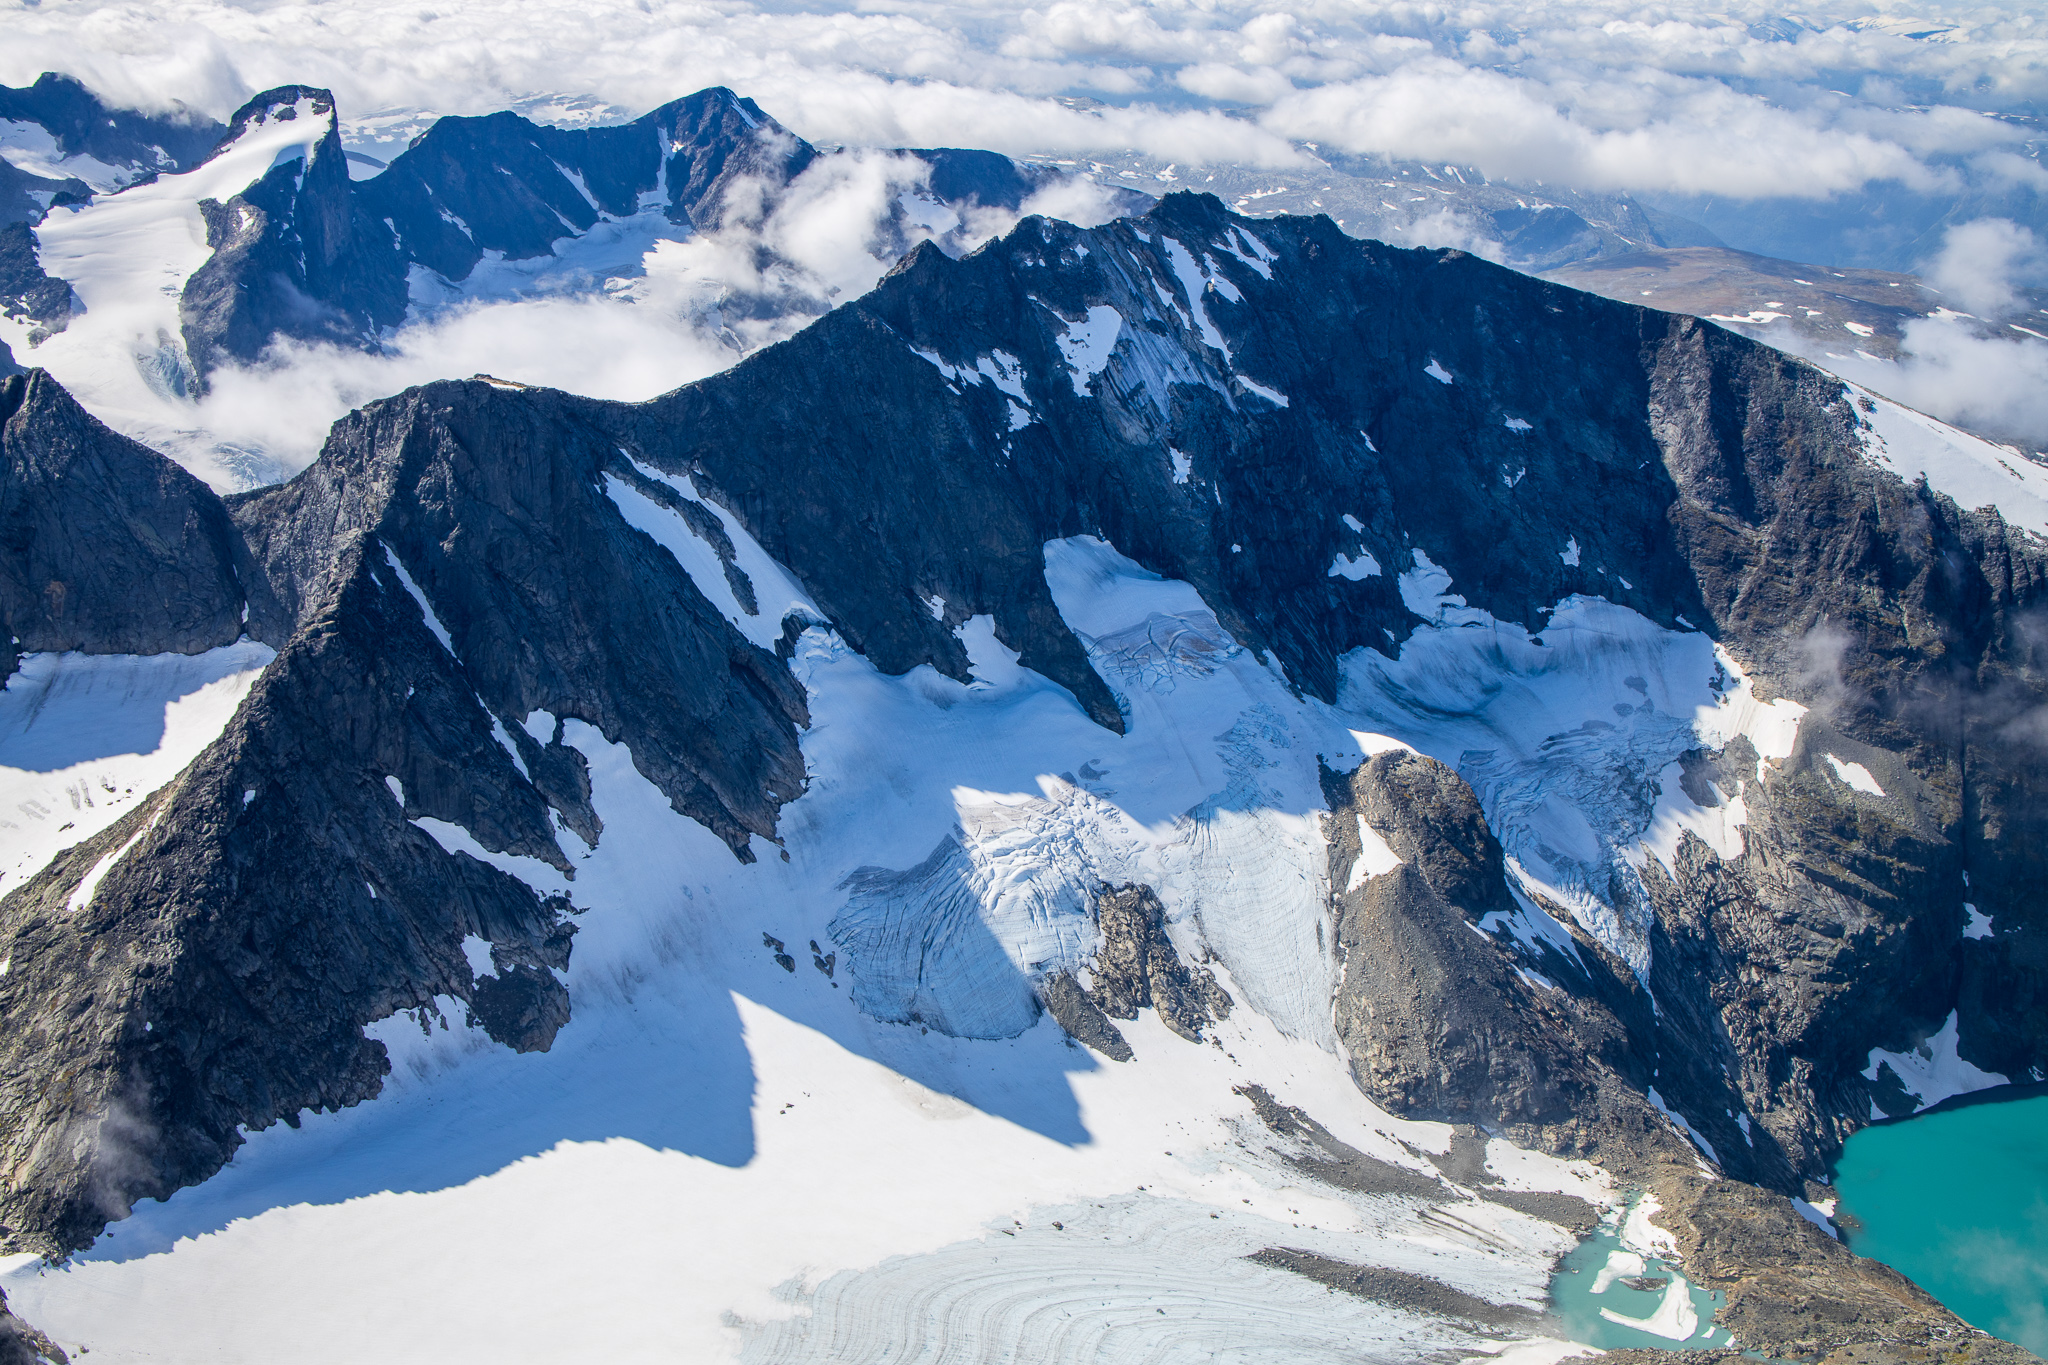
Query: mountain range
x=1568 y=724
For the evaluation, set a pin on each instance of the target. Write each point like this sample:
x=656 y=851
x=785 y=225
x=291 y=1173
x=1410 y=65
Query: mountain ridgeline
x=1240 y=405
x=306 y=253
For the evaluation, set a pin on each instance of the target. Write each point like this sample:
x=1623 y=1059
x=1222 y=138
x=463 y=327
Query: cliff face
x=295 y=255
x=1363 y=459
x=105 y=546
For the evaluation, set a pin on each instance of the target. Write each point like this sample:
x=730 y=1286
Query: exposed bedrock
x=1446 y=1021
x=105 y=546
x=1135 y=967
x=1438 y=1022
x=295 y=255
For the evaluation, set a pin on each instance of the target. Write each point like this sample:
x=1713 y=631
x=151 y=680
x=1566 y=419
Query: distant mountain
x=294 y=254
x=1532 y=227
x=62 y=144
x=1885 y=225
x=300 y=251
x=1682 y=687
x=1839 y=311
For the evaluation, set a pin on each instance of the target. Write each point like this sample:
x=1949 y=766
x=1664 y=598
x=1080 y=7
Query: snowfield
x=807 y=1109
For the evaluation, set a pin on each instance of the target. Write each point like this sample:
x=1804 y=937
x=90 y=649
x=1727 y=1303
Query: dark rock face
x=26 y=293
x=989 y=179
x=1136 y=967
x=1208 y=394
x=501 y=183
x=104 y=546
x=25 y=198
x=965 y=178
x=523 y=1008
x=1436 y=1020
x=1074 y=1010
x=294 y=255
x=546 y=567
x=276 y=897
x=21 y=1344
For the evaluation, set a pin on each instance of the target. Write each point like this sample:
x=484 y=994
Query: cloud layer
x=1727 y=101
x=1981 y=360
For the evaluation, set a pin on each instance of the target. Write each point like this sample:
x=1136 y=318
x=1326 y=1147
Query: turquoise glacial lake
x=1957 y=1200
x=1614 y=1292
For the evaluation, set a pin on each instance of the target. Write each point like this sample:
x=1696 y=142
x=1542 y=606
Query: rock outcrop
x=1135 y=967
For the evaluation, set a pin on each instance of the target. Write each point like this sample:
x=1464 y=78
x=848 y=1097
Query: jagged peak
x=283 y=104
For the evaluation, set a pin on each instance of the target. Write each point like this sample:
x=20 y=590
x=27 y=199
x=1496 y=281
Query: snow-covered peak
x=274 y=127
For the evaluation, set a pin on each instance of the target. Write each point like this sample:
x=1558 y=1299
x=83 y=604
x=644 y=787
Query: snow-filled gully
x=807 y=1109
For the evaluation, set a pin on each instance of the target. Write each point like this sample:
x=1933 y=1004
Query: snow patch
x=85 y=738
x=1683 y=1125
x=1375 y=859
x=1361 y=567
x=478 y=953
x=1675 y=1319
x=426 y=608
x=1642 y=1235
x=1816 y=1215
x=1973 y=471
x=1435 y=370
x=81 y=896
x=1088 y=344
x=1933 y=1072
x=1855 y=776
x=1194 y=286
x=1978 y=924
x=777 y=593
x=1252 y=386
